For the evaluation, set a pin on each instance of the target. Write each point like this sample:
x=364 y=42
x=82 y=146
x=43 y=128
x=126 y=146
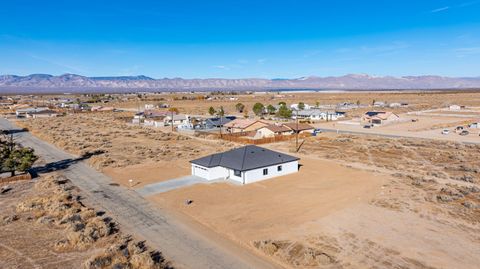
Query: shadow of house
x=61 y=165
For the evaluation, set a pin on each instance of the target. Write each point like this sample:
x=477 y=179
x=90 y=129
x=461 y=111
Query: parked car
x=464 y=132
x=445 y=132
x=367 y=126
x=459 y=129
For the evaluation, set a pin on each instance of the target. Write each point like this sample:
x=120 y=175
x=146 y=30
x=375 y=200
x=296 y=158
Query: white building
x=454 y=107
x=245 y=165
x=176 y=120
x=295 y=107
x=318 y=115
x=22 y=112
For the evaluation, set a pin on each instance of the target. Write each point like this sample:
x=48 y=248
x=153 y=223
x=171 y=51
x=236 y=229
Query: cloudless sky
x=240 y=38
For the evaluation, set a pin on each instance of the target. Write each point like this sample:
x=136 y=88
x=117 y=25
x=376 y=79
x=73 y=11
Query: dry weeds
x=54 y=204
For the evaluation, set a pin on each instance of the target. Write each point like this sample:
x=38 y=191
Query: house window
x=265 y=171
x=237 y=173
x=279 y=168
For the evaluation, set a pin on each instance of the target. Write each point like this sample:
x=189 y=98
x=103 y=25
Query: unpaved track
x=184 y=246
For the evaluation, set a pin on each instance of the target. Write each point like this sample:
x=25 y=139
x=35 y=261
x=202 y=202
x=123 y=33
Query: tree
x=211 y=111
x=317 y=104
x=258 y=109
x=358 y=102
x=221 y=112
x=373 y=102
x=282 y=103
x=284 y=112
x=271 y=109
x=15 y=158
x=173 y=110
x=240 y=107
x=301 y=106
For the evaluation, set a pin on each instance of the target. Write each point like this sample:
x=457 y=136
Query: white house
x=295 y=106
x=318 y=115
x=454 y=107
x=22 y=113
x=179 y=119
x=42 y=114
x=245 y=165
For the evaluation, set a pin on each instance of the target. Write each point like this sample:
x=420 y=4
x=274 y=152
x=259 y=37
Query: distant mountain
x=76 y=83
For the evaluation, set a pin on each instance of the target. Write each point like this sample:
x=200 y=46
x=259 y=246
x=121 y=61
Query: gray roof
x=245 y=158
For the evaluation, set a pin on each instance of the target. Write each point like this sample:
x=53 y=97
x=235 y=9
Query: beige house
x=244 y=125
x=272 y=131
x=299 y=128
x=380 y=117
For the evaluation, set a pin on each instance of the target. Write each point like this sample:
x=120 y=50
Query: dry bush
x=85 y=228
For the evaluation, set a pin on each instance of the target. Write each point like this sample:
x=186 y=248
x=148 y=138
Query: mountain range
x=75 y=83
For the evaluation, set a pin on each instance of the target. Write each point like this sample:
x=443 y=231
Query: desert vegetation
x=110 y=134
x=48 y=224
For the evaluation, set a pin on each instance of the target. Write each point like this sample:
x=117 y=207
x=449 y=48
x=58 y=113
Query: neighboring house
x=299 y=128
x=149 y=106
x=139 y=118
x=379 y=104
x=295 y=107
x=218 y=122
x=392 y=105
x=272 y=131
x=179 y=119
x=346 y=106
x=318 y=115
x=454 y=107
x=244 y=125
x=42 y=114
x=474 y=125
x=102 y=108
x=245 y=165
x=380 y=117
x=22 y=112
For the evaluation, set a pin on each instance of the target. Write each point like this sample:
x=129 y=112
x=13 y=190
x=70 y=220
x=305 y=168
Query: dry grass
x=122 y=144
x=88 y=237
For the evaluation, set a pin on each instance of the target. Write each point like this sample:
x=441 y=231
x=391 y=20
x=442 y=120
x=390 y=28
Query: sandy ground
x=28 y=244
x=429 y=127
x=286 y=202
x=358 y=202
x=46 y=224
x=144 y=174
x=416 y=100
x=126 y=152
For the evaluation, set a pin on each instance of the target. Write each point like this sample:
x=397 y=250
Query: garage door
x=200 y=172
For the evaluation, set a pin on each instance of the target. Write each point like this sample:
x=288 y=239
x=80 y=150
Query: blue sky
x=240 y=39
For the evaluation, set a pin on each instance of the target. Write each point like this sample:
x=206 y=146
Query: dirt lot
x=416 y=100
x=421 y=126
x=46 y=224
x=127 y=152
x=357 y=202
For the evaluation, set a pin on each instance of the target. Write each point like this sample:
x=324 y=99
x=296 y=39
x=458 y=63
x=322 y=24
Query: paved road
x=385 y=135
x=169 y=185
x=185 y=246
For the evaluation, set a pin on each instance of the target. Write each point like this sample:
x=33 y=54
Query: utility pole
x=296 y=136
x=220 y=126
x=172 y=120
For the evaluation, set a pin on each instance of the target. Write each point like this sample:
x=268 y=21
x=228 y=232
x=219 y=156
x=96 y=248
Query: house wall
x=209 y=173
x=264 y=132
x=257 y=125
x=231 y=175
x=257 y=174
